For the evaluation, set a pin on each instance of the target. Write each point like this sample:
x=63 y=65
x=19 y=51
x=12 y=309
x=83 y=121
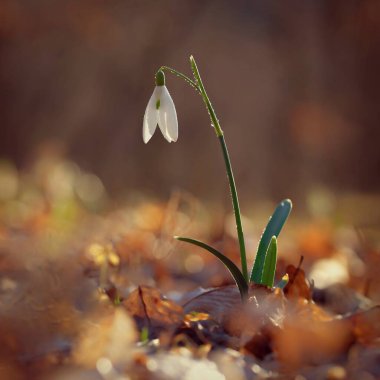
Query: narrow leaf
x=270 y=263
x=273 y=228
x=234 y=270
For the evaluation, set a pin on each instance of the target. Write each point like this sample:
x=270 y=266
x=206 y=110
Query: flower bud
x=160 y=78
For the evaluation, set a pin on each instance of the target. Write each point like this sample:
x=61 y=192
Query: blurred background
x=295 y=86
x=85 y=205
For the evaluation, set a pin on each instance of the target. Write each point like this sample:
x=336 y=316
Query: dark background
x=295 y=85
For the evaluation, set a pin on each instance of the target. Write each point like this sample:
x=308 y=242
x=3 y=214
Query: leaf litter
x=110 y=295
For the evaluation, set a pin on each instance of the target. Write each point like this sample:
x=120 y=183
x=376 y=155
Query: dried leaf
x=306 y=341
x=297 y=285
x=217 y=302
x=223 y=304
x=366 y=325
x=150 y=309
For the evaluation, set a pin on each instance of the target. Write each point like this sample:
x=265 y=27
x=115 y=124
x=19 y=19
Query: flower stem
x=198 y=85
x=227 y=161
x=183 y=76
x=235 y=202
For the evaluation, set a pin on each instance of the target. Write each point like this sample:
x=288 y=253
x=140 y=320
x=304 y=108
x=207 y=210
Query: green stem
x=202 y=90
x=227 y=161
x=235 y=202
x=198 y=85
x=183 y=76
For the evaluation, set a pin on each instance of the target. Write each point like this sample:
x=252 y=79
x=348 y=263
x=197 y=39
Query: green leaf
x=273 y=228
x=270 y=263
x=234 y=270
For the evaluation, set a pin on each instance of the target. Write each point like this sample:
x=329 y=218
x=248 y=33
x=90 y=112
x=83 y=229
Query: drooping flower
x=160 y=110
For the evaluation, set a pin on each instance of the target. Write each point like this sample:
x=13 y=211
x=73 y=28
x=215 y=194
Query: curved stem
x=183 y=76
x=227 y=161
x=198 y=85
x=210 y=109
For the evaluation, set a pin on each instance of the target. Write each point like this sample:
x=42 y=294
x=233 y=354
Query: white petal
x=151 y=116
x=167 y=116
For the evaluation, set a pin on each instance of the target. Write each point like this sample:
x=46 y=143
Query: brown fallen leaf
x=152 y=310
x=297 y=285
x=259 y=345
x=366 y=325
x=304 y=341
x=340 y=299
x=217 y=302
x=264 y=307
x=201 y=334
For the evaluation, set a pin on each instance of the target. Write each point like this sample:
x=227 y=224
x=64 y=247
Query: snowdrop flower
x=160 y=110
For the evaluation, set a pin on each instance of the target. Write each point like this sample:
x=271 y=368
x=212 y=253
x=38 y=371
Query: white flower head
x=160 y=110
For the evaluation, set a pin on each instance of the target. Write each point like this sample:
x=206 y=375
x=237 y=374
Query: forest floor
x=89 y=294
